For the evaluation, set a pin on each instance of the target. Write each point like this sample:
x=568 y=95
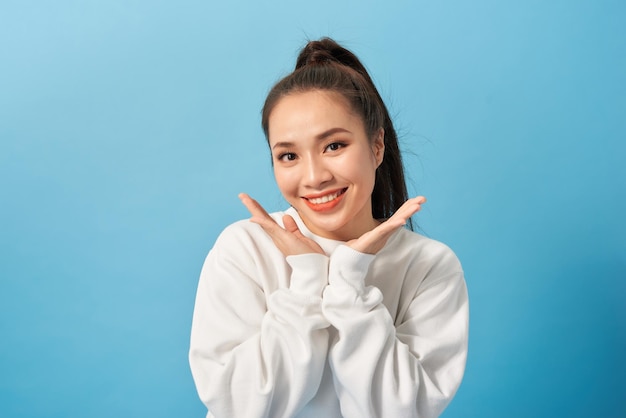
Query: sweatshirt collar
x=327 y=244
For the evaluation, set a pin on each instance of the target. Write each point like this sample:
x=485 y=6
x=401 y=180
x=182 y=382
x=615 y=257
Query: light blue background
x=127 y=128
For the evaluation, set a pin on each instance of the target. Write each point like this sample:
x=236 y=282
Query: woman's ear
x=378 y=146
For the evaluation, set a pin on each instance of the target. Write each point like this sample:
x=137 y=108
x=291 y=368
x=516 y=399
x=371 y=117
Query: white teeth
x=324 y=199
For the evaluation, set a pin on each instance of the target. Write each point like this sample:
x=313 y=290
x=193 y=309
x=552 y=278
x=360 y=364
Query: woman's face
x=324 y=162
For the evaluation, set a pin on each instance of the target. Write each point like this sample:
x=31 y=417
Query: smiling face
x=325 y=163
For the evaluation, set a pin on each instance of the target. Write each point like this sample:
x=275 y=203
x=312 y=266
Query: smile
x=325 y=202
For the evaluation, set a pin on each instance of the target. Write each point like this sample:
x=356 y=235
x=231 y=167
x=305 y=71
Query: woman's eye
x=335 y=146
x=287 y=156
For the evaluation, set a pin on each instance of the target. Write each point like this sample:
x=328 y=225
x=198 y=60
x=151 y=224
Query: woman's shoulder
x=244 y=253
x=411 y=245
x=244 y=233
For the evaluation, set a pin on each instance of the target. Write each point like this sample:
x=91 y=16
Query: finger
x=398 y=219
x=292 y=228
x=259 y=215
x=413 y=204
x=290 y=224
x=408 y=209
x=288 y=240
x=371 y=242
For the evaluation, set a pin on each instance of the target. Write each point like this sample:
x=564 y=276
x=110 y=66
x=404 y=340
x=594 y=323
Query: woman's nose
x=317 y=173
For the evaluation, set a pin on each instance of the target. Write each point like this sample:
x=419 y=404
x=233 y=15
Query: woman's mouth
x=320 y=203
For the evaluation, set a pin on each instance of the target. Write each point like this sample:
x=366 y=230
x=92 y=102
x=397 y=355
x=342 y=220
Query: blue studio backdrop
x=127 y=128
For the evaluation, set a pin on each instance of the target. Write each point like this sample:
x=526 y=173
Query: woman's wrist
x=309 y=273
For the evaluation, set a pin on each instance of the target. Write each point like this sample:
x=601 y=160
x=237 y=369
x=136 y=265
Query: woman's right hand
x=289 y=240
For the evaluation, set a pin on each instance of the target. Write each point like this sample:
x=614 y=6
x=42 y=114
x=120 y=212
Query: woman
x=331 y=308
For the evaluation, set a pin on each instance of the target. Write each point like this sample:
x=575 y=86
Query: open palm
x=291 y=241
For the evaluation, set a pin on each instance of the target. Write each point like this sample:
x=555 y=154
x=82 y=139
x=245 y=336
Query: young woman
x=330 y=308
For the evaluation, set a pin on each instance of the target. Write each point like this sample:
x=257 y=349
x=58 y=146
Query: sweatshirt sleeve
x=254 y=354
x=409 y=369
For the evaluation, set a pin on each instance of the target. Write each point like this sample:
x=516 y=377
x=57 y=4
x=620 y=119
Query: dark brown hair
x=326 y=65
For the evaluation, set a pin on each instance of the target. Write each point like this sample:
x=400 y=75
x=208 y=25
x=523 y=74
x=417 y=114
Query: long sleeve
x=410 y=366
x=259 y=339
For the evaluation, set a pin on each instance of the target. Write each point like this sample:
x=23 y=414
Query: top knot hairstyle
x=325 y=65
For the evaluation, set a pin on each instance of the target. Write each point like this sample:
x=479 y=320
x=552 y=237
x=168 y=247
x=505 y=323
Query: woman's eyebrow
x=330 y=132
x=283 y=144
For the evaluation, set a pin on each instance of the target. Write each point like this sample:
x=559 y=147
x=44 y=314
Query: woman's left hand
x=373 y=241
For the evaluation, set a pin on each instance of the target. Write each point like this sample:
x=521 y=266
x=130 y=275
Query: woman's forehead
x=311 y=113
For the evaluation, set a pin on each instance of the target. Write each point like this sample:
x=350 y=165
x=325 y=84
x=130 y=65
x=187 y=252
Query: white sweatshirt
x=344 y=334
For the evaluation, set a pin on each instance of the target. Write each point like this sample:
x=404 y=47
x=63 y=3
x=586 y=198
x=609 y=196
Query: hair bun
x=318 y=56
x=327 y=51
x=320 y=52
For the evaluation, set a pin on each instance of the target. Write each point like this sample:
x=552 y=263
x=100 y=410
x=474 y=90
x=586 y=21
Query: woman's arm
x=411 y=369
x=255 y=354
